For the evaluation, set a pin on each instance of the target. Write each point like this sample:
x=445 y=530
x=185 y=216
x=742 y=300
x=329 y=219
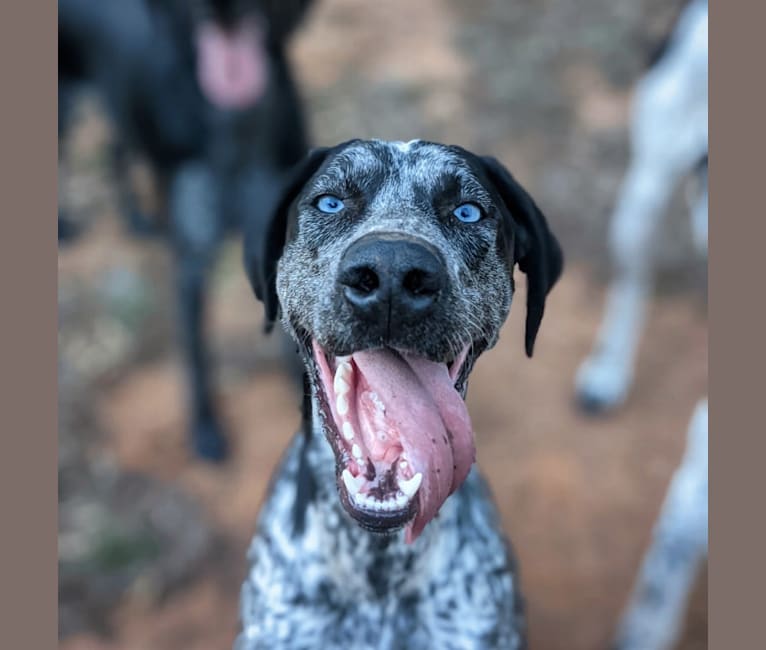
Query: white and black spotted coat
x=336 y=585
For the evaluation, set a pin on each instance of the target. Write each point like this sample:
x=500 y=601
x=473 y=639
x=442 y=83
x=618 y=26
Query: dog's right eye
x=468 y=212
x=329 y=204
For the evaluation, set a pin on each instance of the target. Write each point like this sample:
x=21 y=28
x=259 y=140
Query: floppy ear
x=264 y=240
x=530 y=244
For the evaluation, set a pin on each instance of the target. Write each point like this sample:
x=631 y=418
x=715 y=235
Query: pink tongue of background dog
x=432 y=420
x=231 y=65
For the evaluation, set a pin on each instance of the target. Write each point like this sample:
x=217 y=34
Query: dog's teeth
x=342 y=376
x=348 y=431
x=411 y=486
x=356 y=451
x=353 y=484
x=341 y=403
x=403 y=464
x=340 y=385
x=368 y=502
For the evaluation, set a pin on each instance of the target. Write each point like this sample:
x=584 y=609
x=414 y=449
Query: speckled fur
x=317 y=579
x=337 y=586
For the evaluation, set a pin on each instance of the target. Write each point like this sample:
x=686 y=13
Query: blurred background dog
x=669 y=143
x=654 y=615
x=203 y=90
x=152 y=546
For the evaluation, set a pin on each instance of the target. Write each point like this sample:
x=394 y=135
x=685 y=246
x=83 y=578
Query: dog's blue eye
x=330 y=204
x=467 y=213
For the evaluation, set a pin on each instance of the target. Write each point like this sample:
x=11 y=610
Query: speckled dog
x=392 y=266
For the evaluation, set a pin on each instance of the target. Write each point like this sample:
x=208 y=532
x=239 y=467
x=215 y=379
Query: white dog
x=654 y=615
x=669 y=139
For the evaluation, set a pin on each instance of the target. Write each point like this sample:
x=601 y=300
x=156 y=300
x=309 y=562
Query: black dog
x=203 y=91
x=392 y=266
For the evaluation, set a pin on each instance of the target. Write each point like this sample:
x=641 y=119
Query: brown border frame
x=28 y=566
x=737 y=324
x=28 y=343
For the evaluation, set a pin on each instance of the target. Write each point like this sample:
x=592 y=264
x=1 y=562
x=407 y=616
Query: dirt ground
x=545 y=87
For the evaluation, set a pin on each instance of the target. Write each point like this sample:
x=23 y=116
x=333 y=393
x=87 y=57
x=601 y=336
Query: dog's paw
x=600 y=387
x=209 y=442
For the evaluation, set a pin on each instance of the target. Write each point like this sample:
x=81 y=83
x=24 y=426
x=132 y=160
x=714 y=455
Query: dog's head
x=392 y=265
x=233 y=41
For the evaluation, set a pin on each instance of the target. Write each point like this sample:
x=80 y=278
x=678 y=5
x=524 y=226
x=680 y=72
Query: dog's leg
x=605 y=377
x=655 y=613
x=197 y=232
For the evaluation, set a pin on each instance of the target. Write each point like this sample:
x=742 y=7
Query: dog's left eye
x=467 y=212
x=329 y=204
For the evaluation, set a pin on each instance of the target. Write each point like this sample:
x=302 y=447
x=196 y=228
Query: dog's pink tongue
x=437 y=381
x=231 y=65
x=432 y=420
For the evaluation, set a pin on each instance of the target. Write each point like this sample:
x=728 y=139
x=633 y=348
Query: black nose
x=391 y=277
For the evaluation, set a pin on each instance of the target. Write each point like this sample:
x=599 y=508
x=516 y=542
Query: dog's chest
x=337 y=586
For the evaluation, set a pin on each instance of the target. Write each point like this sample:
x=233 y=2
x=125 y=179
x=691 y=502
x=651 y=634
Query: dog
x=669 y=140
x=204 y=92
x=654 y=615
x=391 y=265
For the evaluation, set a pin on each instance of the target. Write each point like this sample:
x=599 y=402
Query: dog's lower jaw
x=336 y=585
x=323 y=465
